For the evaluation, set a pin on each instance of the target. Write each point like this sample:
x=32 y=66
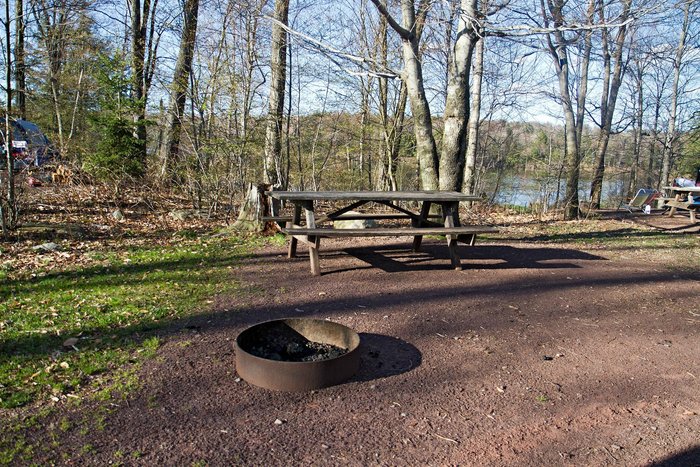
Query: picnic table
x=307 y=202
x=684 y=198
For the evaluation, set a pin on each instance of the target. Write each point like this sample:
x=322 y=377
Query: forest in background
x=177 y=93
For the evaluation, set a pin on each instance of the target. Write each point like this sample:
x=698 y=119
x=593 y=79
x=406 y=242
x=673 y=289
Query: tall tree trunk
x=20 y=65
x=170 y=146
x=426 y=149
x=8 y=207
x=474 y=116
x=410 y=33
x=454 y=140
x=139 y=22
x=638 y=121
x=671 y=131
x=278 y=66
x=558 y=52
x=611 y=88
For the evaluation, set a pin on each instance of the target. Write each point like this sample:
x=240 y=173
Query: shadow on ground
x=690 y=457
x=396 y=258
x=384 y=356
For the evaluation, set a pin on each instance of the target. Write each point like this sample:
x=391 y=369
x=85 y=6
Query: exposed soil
x=534 y=354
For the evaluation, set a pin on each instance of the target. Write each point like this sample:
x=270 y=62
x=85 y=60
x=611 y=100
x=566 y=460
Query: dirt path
x=533 y=355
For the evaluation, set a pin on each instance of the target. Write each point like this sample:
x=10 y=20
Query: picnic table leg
x=450 y=213
x=314 y=241
x=424 y=212
x=296 y=219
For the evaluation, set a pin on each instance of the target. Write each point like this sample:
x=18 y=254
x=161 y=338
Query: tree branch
x=403 y=32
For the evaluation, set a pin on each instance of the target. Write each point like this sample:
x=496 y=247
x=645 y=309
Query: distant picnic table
x=421 y=224
x=685 y=198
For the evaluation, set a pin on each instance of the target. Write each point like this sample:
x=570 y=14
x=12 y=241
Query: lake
x=526 y=191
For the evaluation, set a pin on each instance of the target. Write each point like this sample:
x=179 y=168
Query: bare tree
x=144 y=46
x=557 y=43
x=8 y=205
x=278 y=69
x=20 y=65
x=410 y=33
x=474 y=117
x=671 y=135
x=178 y=92
x=612 y=80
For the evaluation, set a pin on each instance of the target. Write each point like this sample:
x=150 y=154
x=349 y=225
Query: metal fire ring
x=298 y=376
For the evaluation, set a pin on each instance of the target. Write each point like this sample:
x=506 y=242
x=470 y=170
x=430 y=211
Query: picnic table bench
x=422 y=223
x=684 y=198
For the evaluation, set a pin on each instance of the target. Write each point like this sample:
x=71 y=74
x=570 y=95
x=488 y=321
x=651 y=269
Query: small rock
x=54 y=398
x=355 y=223
x=70 y=342
x=64 y=365
x=325 y=446
x=237 y=380
x=501 y=389
x=279 y=422
x=615 y=448
x=50 y=246
x=118 y=215
x=180 y=215
x=403 y=414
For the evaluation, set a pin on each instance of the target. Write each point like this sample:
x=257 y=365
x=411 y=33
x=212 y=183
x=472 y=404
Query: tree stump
x=258 y=205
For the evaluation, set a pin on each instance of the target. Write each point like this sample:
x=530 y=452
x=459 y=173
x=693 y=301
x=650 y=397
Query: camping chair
x=644 y=197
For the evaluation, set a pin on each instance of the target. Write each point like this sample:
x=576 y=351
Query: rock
x=70 y=342
x=50 y=246
x=279 y=422
x=118 y=215
x=180 y=215
x=354 y=224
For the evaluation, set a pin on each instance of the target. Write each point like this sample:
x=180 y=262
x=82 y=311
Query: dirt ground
x=532 y=355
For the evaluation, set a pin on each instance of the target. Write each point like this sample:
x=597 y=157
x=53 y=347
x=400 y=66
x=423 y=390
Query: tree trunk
x=8 y=206
x=426 y=149
x=139 y=21
x=20 y=65
x=474 y=116
x=170 y=146
x=454 y=140
x=611 y=88
x=638 y=121
x=671 y=131
x=410 y=33
x=278 y=68
x=558 y=52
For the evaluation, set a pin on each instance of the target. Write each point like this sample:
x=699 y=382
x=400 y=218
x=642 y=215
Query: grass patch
x=109 y=304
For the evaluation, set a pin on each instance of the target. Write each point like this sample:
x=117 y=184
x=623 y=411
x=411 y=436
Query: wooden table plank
x=390 y=231
x=434 y=196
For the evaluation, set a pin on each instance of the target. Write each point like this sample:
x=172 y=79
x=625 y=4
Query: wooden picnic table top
x=432 y=196
x=683 y=189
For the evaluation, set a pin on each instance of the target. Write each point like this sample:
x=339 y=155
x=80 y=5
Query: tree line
x=356 y=94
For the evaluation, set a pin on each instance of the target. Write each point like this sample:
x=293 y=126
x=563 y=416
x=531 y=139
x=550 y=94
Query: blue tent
x=30 y=146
